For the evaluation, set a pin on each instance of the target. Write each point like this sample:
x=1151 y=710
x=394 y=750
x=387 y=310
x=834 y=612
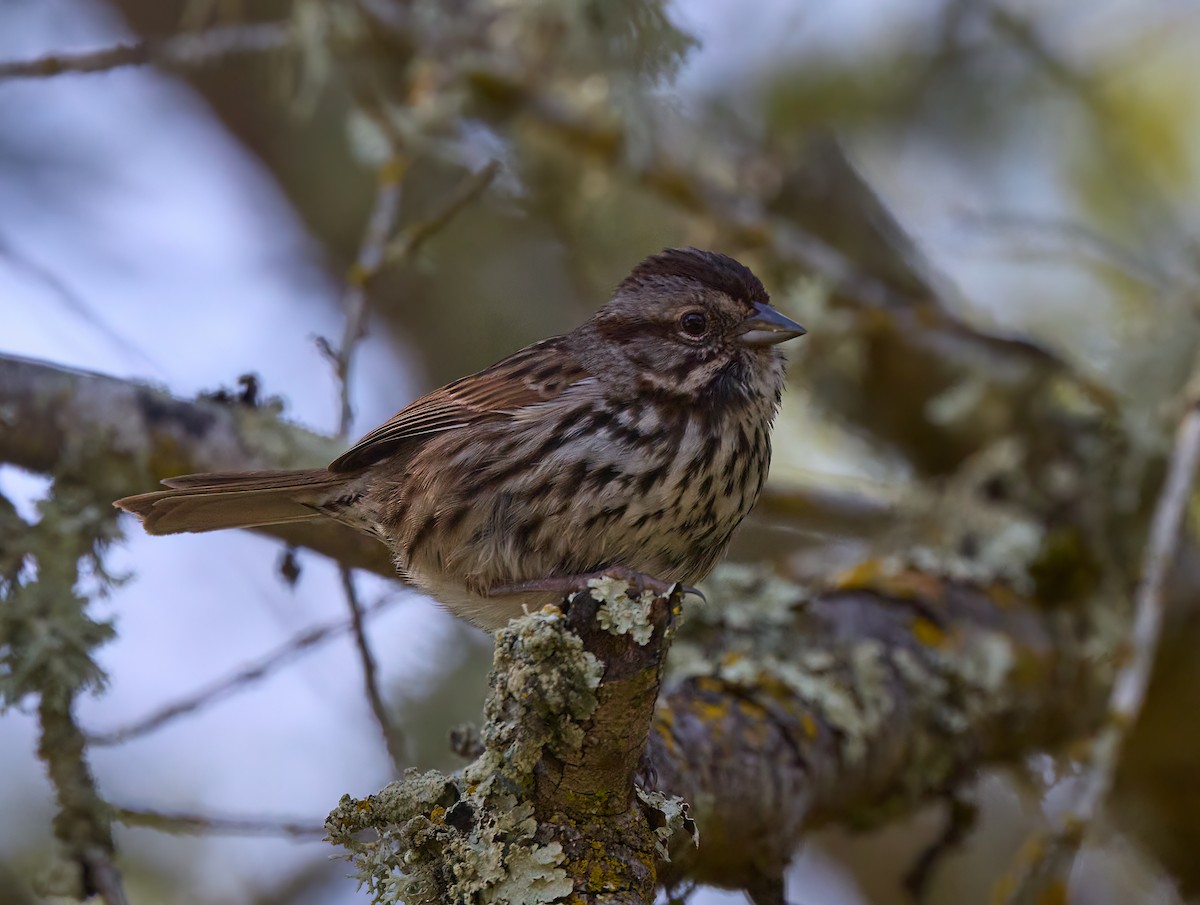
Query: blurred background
x=1032 y=163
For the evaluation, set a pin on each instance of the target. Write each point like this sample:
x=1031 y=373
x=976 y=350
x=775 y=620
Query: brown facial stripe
x=622 y=330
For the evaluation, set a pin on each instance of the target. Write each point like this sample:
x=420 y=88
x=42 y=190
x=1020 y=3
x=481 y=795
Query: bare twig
x=1047 y=862
x=1084 y=88
x=376 y=253
x=1082 y=240
x=409 y=242
x=380 y=225
x=198 y=824
x=183 y=50
x=223 y=688
x=744 y=219
x=70 y=299
x=392 y=736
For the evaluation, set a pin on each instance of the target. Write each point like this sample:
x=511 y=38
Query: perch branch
x=549 y=811
x=880 y=698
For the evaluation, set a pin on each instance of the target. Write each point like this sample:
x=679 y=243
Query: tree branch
x=791 y=710
x=549 y=811
x=51 y=417
x=183 y=50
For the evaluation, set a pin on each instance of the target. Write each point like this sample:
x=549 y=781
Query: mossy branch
x=549 y=812
x=141 y=435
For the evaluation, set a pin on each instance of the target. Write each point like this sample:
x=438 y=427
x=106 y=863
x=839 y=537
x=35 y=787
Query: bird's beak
x=766 y=327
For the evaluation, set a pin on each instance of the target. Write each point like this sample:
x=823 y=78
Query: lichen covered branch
x=790 y=709
x=48 y=635
x=549 y=811
x=140 y=435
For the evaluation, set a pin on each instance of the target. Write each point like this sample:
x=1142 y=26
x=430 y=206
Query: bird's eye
x=693 y=323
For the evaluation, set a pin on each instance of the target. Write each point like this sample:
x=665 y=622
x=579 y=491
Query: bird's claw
x=638 y=582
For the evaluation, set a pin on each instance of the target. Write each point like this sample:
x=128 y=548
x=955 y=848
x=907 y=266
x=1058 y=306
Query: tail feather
x=211 y=502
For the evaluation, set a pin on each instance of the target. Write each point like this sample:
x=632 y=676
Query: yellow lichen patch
x=775 y=687
x=438 y=815
x=1003 y=595
x=603 y=871
x=751 y=709
x=883 y=577
x=754 y=729
x=711 y=711
x=709 y=684
x=861 y=574
x=928 y=632
x=809 y=725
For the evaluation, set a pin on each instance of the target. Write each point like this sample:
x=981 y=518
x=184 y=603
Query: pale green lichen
x=620 y=614
x=543 y=686
x=853 y=702
x=752 y=601
x=49 y=572
x=745 y=596
x=1002 y=551
x=470 y=838
x=669 y=814
x=438 y=840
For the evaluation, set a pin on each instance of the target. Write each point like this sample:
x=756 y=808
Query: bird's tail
x=210 y=502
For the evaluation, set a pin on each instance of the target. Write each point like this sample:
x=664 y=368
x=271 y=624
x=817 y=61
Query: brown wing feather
x=536 y=374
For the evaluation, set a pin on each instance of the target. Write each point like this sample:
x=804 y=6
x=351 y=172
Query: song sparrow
x=636 y=442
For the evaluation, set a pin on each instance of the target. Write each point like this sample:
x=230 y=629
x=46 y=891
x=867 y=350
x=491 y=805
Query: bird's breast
x=653 y=487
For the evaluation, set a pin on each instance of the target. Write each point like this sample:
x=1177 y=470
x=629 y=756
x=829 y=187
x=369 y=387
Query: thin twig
x=409 y=242
x=744 y=219
x=1083 y=88
x=70 y=299
x=197 y=824
x=393 y=738
x=223 y=688
x=1049 y=861
x=380 y=225
x=1081 y=239
x=183 y=50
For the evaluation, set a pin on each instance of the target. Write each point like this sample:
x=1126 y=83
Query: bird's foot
x=568 y=584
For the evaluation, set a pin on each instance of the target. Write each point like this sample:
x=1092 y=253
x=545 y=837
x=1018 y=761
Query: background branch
x=182 y=50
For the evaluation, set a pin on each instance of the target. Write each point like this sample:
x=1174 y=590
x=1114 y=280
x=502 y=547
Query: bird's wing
x=534 y=375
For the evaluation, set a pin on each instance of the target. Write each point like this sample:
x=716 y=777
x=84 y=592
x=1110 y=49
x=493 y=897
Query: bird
x=631 y=446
